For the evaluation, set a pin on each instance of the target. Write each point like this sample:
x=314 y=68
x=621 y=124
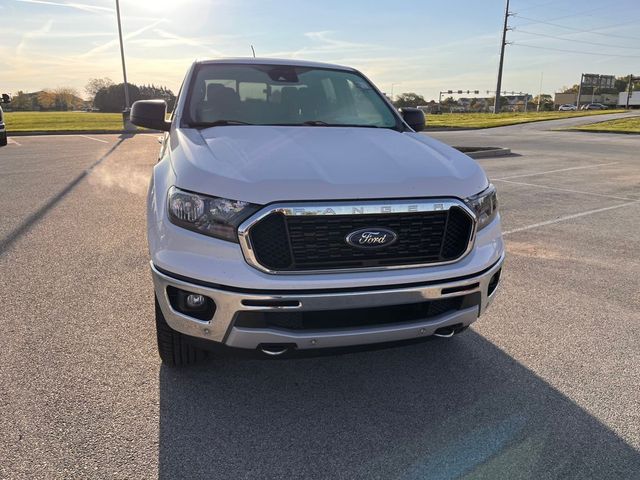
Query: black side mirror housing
x=150 y=114
x=413 y=117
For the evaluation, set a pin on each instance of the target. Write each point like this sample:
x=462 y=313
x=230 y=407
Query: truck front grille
x=317 y=242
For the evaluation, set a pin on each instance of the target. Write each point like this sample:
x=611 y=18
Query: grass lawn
x=623 y=125
x=105 y=122
x=486 y=120
x=62 y=121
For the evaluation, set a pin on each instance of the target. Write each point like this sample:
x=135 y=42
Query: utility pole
x=579 y=91
x=127 y=105
x=496 y=105
x=630 y=90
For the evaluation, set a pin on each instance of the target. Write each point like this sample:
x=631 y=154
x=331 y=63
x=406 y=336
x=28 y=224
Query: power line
x=580 y=30
x=573 y=15
x=555 y=2
x=573 y=51
x=577 y=41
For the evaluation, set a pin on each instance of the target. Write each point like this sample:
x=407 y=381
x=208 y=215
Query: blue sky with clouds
x=422 y=46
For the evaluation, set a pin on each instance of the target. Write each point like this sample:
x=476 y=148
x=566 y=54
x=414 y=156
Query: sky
x=421 y=46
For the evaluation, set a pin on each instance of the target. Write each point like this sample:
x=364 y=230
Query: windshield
x=284 y=95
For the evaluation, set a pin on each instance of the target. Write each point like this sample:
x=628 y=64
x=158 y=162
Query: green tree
x=22 y=101
x=46 y=100
x=546 y=102
x=94 y=85
x=409 y=100
x=111 y=98
x=66 y=98
x=573 y=89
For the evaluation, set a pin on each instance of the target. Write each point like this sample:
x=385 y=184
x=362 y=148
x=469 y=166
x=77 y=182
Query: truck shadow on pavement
x=7 y=242
x=436 y=410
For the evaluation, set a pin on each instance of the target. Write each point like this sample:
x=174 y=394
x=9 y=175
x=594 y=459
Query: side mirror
x=413 y=117
x=150 y=114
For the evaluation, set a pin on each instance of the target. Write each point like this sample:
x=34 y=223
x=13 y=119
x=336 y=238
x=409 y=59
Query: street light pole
x=127 y=105
x=540 y=92
x=393 y=85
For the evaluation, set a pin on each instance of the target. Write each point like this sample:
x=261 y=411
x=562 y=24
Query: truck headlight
x=213 y=216
x=484 y=205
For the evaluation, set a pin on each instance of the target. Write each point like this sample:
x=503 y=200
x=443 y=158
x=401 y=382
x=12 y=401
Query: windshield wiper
x=217 y=123
x=322 y=123
x=315 y=123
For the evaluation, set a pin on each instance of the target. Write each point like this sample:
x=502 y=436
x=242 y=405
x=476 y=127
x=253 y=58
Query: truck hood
x=264 y=164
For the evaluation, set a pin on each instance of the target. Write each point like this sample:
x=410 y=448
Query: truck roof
x=274 y=61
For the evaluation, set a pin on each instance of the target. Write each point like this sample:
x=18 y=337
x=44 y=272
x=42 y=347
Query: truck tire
x=3 y=139
x=174 y=348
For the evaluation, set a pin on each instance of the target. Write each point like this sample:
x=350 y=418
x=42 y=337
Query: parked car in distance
x=294 y=208
x=567 y=107
x=594 y=106
x=3 y=130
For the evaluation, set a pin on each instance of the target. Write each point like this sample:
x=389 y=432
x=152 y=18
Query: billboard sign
x=599 y=81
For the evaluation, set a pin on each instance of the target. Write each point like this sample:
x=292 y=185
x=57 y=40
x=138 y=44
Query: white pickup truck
x=293 y=208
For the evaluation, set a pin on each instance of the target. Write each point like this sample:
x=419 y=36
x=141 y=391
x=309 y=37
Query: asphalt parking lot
x=545 y=385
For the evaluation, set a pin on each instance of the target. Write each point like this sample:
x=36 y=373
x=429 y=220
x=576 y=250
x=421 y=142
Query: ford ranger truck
x=294 y=208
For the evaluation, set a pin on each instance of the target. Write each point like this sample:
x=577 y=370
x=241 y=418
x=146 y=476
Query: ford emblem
x=371 y=238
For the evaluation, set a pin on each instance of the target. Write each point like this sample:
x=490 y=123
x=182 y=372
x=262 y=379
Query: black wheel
x=3 y=139
x=174 y=347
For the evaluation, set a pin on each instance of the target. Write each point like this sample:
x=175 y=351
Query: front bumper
x=230 y=302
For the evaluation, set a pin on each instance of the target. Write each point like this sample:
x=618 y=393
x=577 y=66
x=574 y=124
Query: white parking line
x=568 y=190
x=569 y=217
x=555 y=171
x=11 y=140
x=91 y=138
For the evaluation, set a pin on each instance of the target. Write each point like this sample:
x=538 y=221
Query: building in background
x=634 y=101
x=608 y=99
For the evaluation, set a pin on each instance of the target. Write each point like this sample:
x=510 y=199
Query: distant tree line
x=409 y=100
x=109 y=97
x=103 y=95
x=58 y=99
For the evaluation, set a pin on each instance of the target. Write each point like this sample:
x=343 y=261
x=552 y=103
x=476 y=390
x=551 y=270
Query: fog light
x=195 y=301
x=192 y=304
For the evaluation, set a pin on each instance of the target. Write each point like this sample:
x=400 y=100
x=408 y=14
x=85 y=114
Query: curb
x=484 y=152
x=535 y=120
x=77 y=132
x=584 y=130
